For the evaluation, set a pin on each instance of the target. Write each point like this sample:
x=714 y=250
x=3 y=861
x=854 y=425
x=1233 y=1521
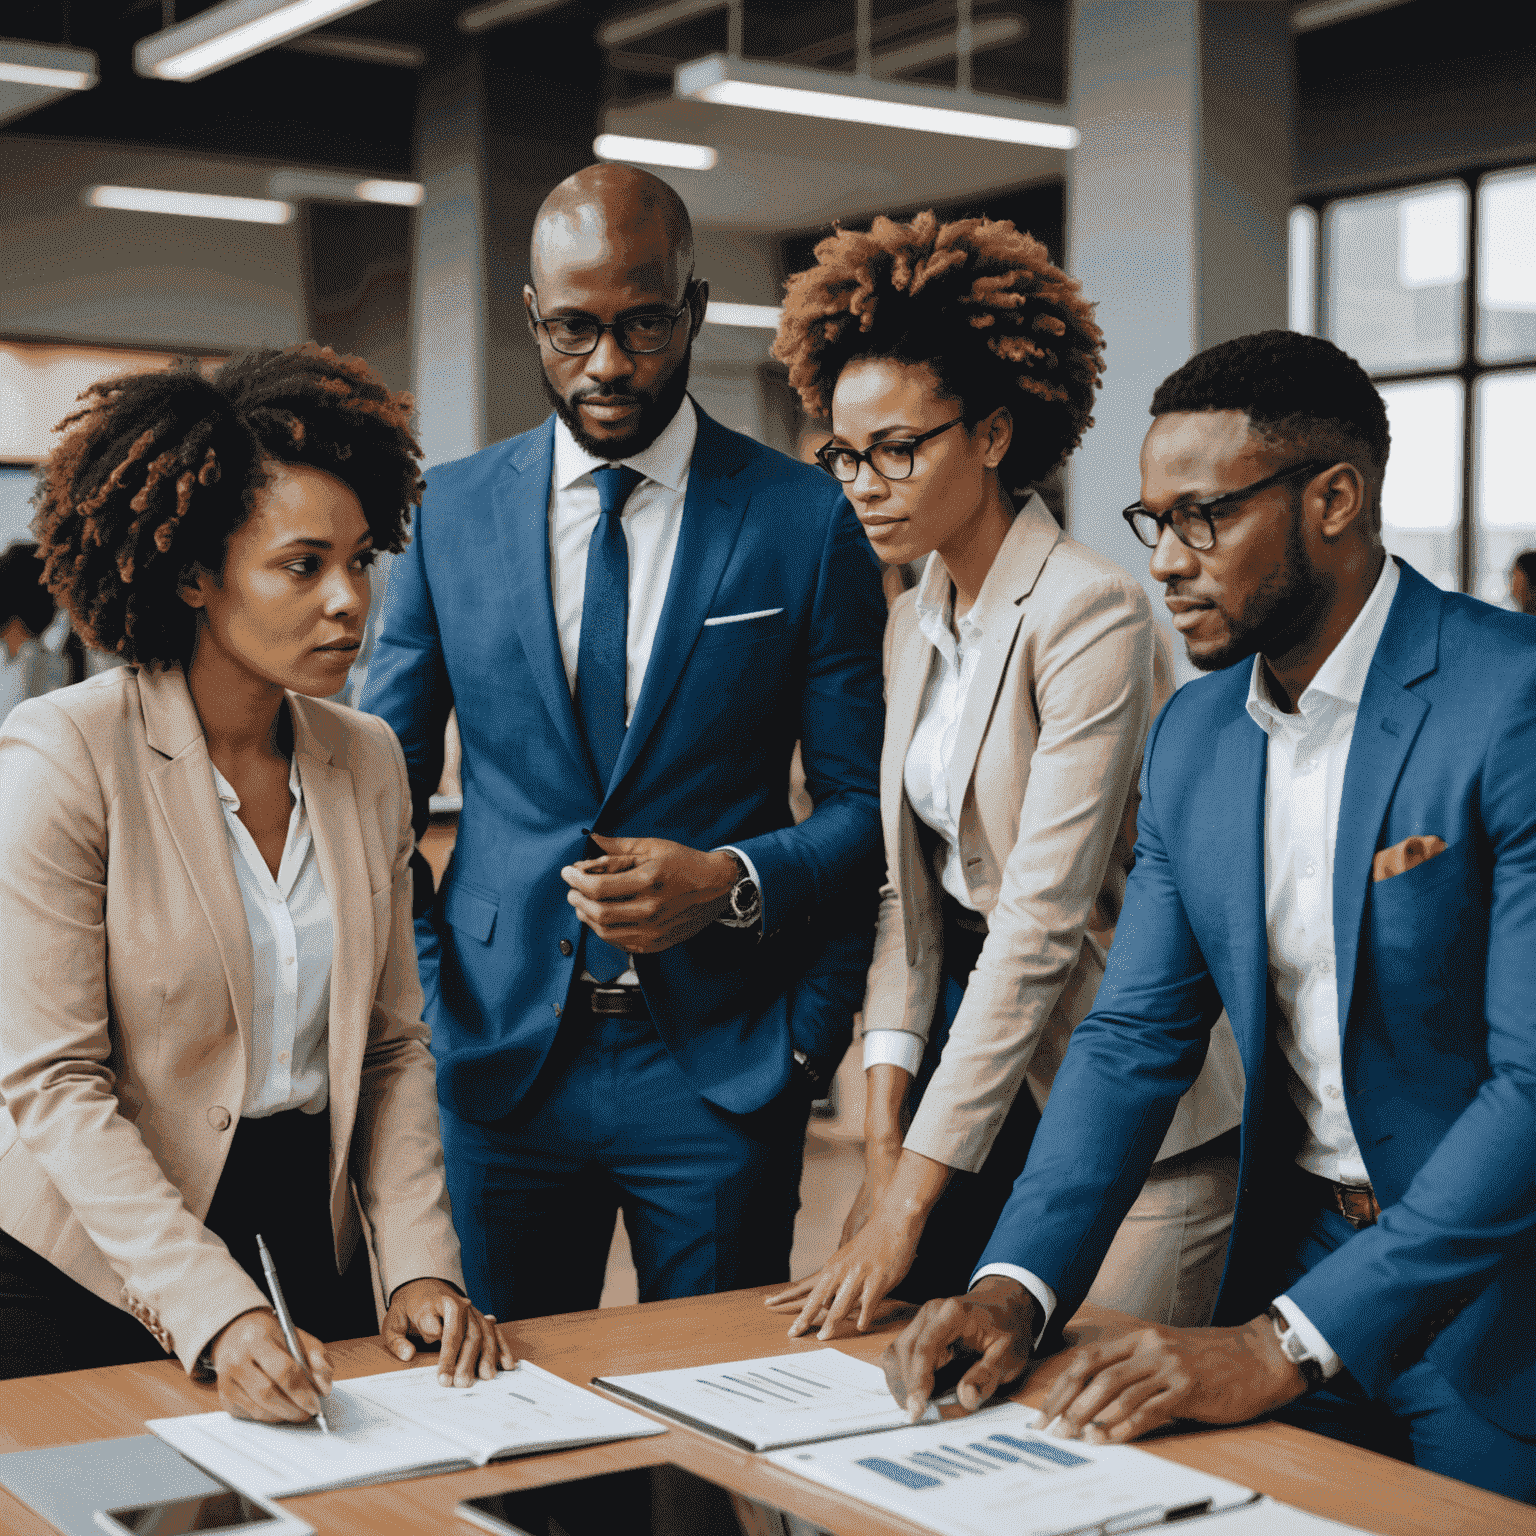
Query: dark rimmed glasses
x=1194 y=522
x=892 y=459
x=578 y=335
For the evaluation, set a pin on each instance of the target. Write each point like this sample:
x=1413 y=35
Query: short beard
x=1280 y=614
x=656 y=413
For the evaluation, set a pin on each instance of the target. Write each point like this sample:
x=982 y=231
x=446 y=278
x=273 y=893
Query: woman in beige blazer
x=1021 y=674
x=210 y=1019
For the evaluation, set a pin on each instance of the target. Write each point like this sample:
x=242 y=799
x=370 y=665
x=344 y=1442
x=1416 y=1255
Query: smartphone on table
x=226 y=1512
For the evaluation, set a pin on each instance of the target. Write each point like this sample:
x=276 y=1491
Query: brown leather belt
x=1356 y=1203
x=609 y=1000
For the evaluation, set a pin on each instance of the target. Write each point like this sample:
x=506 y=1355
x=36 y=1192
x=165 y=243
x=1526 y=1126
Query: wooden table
x=1358 y=1487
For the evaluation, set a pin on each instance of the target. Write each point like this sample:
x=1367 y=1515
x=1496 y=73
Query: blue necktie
x=602 y=656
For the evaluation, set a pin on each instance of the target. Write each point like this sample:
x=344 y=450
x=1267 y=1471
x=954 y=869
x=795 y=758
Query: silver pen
x=270 y=1271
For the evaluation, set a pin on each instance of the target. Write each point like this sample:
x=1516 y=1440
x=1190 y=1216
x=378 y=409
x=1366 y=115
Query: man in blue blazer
x=1338 y=844
x=638 y=969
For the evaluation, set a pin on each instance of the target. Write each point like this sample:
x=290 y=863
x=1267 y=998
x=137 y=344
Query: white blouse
x=292 y=938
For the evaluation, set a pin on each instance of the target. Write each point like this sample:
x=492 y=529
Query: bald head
x=614 y=217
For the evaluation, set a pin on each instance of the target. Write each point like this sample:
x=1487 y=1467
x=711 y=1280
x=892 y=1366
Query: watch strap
x=1294 y=1350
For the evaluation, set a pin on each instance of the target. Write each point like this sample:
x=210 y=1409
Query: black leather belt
x=609 y=1000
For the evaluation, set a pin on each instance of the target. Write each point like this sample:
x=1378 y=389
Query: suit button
x=566 y=947
x=218 y=1118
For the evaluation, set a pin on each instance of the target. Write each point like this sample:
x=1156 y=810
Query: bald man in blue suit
x=638 y=969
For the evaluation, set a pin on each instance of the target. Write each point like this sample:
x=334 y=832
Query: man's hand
x=437 y=1313
x=995 y=1319
x=259 y=1379
x=646 y=894
x=1113 y=1392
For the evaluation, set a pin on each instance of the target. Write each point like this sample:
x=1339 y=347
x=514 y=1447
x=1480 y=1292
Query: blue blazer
x=1436 y=973
x=469 y=617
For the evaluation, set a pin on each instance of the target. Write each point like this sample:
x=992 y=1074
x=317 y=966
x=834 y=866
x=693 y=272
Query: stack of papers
x=402 y=1424
x=774 y=1401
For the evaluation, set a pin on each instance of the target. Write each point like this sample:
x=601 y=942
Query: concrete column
x=1177 y=200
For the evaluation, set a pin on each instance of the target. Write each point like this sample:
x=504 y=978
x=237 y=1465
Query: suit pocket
x=471 y=911
x=739 y=632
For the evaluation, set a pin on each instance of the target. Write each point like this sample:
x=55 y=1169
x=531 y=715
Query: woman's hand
x=880 y=1160
x=438 y=1313
x=861 y=1273
x=259 y=1379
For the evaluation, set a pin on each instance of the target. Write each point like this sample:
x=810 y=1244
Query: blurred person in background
x=1522 y=582
x=210 y=1019
x=639 y=971
x=960 y=368
x=41 y=651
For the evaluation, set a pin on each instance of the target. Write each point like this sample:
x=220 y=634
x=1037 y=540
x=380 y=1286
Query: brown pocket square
x=1406 y=855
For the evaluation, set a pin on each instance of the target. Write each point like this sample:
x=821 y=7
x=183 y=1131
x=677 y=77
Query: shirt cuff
x=1317 y=1345
x=893 y=1048
x=1032 y=1283
x=735 y=922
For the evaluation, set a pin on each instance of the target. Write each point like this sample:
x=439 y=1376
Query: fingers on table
x=791 y=1297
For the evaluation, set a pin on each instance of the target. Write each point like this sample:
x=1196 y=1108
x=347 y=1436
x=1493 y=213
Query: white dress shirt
x=292 y=939
x=653 y=519
x=1304 y=786
x=925 y=775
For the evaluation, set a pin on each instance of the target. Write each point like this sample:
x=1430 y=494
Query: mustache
x=604 y=397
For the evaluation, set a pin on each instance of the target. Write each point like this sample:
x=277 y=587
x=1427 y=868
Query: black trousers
x=274 y=1182
x=961 y=1223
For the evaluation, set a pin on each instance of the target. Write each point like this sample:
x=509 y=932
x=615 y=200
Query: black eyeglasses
x=1194 y=523
x=578 y=335
x=891 y=460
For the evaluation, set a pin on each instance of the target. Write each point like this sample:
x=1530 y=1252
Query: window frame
x=1470 y=369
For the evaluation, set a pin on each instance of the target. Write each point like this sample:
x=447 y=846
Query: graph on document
x=966 y=1459
x=769 y=1384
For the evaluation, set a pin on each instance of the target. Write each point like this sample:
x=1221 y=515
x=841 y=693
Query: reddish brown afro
x=978 y=301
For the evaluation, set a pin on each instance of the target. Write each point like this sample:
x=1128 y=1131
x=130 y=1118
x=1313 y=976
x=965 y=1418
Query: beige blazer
x=1044 y=771
x=126 y=979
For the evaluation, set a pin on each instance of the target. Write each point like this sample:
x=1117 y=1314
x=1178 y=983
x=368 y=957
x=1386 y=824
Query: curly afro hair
x=1294 y=389
x=157 y=470
x=978 y=302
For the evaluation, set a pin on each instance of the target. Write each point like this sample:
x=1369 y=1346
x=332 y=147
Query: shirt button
x=282 y=1055
x=1325 y=964
x=1332 y=1090
x=566 y=946
x=288 y=959
x=218 y=1118
x=1311 y=869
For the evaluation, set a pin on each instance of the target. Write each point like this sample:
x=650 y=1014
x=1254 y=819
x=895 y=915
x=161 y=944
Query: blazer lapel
x=1030 y=540
x=183 y=787
x=712 y=518
x=911 y=666
x=1235 y=864
x=521 y=504
x=1386 y=724
x=330 y=799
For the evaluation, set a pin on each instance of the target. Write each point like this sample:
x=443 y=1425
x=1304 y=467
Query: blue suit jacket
x=469 y=619
x=1437 y=997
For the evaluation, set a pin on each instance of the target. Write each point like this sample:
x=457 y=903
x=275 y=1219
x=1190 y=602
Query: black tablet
x=663 y=1500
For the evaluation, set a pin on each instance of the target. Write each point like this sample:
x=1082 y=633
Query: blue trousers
x=709 y=1198
x=1418 y=1418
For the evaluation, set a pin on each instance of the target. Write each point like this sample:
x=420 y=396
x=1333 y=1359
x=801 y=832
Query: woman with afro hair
x=958 y=367
x=210 y=1019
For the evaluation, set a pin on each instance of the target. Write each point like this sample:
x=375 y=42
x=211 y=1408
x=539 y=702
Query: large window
x=1433 y=289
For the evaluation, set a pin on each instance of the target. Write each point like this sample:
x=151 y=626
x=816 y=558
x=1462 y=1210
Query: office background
x=1365 y=169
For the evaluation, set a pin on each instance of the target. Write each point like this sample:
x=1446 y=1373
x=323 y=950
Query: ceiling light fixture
x=801 y=92
x=194 y=205
x=687 y=157
x=336 y=187
x=761 y=317
x=481 y=18
x=227 y=33
x=33 y=74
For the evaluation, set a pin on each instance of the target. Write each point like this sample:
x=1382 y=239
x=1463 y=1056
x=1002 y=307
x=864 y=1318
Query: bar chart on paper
x=774 y=1401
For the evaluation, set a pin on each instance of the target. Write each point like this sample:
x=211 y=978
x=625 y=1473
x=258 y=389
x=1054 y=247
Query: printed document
x=774 y=1401
x=402 y=1424
x=992 y=1471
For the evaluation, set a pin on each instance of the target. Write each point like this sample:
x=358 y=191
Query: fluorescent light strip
x=231 y=32
x=761 y=317
x=59 y=79
x=688 y=157
x=888 y=114
x=407 y=194
x=194 y=205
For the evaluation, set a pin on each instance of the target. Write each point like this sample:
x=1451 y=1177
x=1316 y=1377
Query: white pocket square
x=741 y=618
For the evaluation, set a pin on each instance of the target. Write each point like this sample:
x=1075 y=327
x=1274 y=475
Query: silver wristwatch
x=745 y=899
x=1295 y=1350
